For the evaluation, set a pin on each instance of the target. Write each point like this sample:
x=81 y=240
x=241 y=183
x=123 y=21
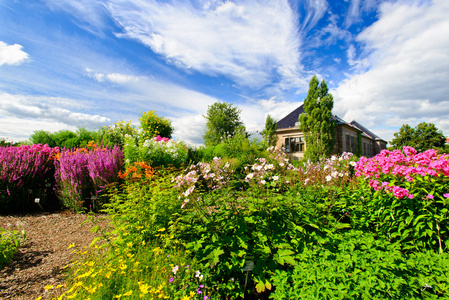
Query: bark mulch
x=41 y=259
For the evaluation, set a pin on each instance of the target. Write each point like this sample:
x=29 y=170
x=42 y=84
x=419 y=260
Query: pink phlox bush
x=397 y=167
x=203 y=177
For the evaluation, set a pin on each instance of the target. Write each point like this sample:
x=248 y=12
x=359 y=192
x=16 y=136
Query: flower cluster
x=271 y=170
x=137 y=170
x=203 y=177
x=19 y=166
x=335 y=171
x=390 y=169
x=83 y=173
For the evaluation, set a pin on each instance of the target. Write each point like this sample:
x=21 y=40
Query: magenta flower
x=446 y=195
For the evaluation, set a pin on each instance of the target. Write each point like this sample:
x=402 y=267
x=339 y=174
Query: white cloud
x=315 y=11
x=90 y=15
x=189 y=129
x=247 y=41
x=111 y=77
x=12 y=54
x=407 y=81
x=19 y=129
x=38 y=109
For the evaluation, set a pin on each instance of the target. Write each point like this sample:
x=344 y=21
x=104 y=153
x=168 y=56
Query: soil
x=41 y=259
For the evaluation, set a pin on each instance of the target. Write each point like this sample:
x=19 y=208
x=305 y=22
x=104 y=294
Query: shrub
x=152 y=125
x=115 y=134
x=407 y=197
x=158 y=151
x=26 y=171
x=10 y=241
x=82 y=174
x=356 y=265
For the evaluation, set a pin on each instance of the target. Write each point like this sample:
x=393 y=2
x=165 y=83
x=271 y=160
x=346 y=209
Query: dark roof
x=364 y=130
x=292 y=118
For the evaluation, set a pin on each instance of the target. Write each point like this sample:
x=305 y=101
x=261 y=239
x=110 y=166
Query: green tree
x=316 y=121
x=269 y=132
x=42 y=137
x=423 y=137
x=223 y=121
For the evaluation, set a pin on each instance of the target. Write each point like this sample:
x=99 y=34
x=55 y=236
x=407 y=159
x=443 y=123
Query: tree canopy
x=316 y=121
x=423 y=137
x=268 y=133
x=223 y=120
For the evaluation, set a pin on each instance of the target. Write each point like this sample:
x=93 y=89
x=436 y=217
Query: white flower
x=275 y=178
x=175 y=269
x=352 y=163
x=263 y=181
x=328 y=178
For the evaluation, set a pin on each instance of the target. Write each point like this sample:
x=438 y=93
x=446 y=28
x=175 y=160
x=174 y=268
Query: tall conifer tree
x=316 y=121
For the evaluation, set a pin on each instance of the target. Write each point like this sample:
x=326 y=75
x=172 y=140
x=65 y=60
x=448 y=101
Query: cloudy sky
x=87 y=63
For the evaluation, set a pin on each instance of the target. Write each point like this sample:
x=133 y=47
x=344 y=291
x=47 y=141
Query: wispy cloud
x=41 y=108
x=246 y=41
x=12 y=54
x=315 y=10
x=407 y=80
x=90 y=15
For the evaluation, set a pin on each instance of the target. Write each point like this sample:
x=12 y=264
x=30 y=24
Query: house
x=348 y=136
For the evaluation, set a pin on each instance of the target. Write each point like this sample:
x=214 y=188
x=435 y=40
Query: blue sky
x=71 y=63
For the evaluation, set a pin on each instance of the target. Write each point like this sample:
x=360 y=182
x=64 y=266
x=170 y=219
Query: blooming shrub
x=82 y=174
x=158 y=151
x=152 y=125
x=407 y=196
x=115 y=134
x=273 y=171
x=203 y=177
x=404 y=173
x=24 y=172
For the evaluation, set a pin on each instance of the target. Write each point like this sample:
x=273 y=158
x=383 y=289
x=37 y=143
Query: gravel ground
x=41 y=259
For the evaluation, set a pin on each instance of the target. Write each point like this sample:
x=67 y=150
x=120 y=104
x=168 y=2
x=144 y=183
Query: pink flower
x=430 y=196
x=446 y=195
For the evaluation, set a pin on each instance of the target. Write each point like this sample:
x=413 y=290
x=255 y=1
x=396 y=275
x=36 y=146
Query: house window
x=294 y=144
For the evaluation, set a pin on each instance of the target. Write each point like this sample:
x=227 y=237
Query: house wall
x=349 y=140
x=291 y=133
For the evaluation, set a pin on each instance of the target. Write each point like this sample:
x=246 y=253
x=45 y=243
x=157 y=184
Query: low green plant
x=357 y=265
x=10 y=241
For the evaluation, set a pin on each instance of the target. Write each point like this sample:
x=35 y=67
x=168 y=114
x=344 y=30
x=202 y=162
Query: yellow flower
x=128 y=293
x=143 y=288
x=71 y=245
x=38 y=298
x=48 y=287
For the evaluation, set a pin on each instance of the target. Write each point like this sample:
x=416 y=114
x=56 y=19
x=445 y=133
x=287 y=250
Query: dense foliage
x=269 y=132
x=152 y=125
x=316 y=121
x=26 y=173
x=223 y=121
x=83 y=174
x=274 y=230
x=10 y=241
x=423 y=137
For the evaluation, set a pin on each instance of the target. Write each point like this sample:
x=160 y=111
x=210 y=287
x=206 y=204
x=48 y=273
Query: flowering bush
x=25 y=171
x=203 y=177
x=273 y=171
x=409 y=196
x=82 y=174
x=151 y=125
x=158 y=151
x=115 y=134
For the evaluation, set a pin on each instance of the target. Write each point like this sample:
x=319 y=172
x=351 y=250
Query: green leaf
x=260 y=287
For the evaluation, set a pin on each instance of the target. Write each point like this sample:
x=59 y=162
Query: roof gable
x=365 y=130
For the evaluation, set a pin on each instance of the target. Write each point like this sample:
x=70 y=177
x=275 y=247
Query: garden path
x=41 y=259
